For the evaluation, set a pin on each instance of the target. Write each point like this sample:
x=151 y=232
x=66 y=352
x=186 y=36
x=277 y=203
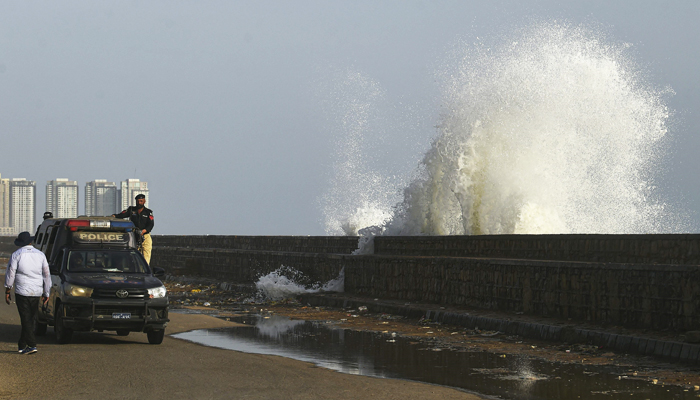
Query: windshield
x=106 y=261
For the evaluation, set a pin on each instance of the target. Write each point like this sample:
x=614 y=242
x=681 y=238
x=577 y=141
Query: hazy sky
x=226 y=107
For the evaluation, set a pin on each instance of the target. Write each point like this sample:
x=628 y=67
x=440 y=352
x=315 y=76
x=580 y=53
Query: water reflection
x=380 y=355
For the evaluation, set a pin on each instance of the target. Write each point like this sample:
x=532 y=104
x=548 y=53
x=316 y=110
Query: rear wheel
x=122 y=332
x=63 y=334
x=156 y=337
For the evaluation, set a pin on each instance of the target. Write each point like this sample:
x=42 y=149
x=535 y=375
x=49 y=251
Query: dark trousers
x=28 y=308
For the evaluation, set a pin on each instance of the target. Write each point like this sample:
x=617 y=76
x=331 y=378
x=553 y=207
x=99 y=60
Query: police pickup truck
x=99 y=281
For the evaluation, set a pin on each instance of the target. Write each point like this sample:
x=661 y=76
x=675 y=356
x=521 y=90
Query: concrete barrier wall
x=645 y=296
x=662 y=295
x=298 y=244
x=655 y=286
x=245 y=266
x=631 y=249
x=7 y=245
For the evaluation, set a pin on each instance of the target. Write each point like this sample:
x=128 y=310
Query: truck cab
x=99 y=281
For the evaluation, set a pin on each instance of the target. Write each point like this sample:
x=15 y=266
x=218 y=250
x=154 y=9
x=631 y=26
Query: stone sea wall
x=648 y=296
x=244 y=266
x=628 y=249
x=296 y=244
x=7 y=245
x=646 y=281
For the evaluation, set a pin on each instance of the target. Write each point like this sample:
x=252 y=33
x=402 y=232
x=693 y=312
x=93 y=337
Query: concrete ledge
x=636 y=281
x=663 y=349
x=641 y=249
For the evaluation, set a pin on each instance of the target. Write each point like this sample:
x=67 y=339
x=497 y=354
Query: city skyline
x=19 y=210
x=270 y=108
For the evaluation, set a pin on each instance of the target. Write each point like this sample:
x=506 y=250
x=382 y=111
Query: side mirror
x=158 y=272
x=53 y=269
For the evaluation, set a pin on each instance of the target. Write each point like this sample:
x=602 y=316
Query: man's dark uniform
x=142 y=220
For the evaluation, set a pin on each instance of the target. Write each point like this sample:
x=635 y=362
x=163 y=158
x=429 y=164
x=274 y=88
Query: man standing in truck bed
x=142 y=218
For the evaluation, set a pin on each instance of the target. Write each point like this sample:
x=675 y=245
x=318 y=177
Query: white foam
x=553 y=130
x=281 y=284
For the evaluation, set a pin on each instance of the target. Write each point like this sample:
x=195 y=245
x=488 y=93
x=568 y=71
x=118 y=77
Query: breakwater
x=643 y=281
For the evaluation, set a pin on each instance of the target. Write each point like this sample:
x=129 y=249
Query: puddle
x=381 y=355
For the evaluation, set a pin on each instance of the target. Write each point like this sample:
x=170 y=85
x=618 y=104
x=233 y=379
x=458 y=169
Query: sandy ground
x=209 y=298
x=107 y=366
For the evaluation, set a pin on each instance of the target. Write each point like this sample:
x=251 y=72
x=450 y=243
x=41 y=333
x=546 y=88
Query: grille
x=112 y=293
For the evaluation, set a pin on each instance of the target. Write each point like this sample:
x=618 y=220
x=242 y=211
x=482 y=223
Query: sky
x=226 y=108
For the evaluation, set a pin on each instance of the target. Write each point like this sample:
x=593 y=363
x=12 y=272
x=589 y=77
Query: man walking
x=142 y=218
x=28 y=273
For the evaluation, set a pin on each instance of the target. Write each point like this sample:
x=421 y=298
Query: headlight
x=157 y=293
x=77 y=291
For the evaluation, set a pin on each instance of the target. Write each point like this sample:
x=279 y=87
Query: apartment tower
x=22 y=205
x=128 y=191
x=5 y=223
x=62 y=198
x=101 y=198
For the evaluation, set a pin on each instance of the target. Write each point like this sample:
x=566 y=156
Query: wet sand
x=107 y=366
x=230 y=303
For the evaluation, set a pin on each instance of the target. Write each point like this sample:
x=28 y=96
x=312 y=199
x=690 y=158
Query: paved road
x=106 y=366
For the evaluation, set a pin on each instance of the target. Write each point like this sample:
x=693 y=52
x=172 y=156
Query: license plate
x=121 y=315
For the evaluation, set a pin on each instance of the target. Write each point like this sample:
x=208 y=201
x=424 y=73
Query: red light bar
x=78 y=222
x=73 y=224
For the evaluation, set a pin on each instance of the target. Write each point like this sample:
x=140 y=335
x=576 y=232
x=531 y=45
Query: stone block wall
x=297 y=244
x=645 y=296
x=7 y=245
x=245 y=266
x=655 y=286
x=637 y=249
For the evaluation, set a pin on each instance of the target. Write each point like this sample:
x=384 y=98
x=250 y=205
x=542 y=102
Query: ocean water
x=550 y=129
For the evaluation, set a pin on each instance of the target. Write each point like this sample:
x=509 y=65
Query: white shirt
x=28 y=272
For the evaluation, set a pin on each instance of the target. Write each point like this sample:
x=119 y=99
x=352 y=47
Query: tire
x=122 y=332
x=63 y=334
x=156 y=337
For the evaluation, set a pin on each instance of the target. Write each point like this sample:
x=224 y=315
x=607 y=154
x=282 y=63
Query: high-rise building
x=22 y=205
x=62 y=198
x=101 y=198
x=5 y=224
x=128 y=191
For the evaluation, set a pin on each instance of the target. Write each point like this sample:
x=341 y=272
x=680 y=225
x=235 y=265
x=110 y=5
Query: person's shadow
x=9 y=335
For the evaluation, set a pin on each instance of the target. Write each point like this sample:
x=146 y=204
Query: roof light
x=121 y=224
x=73 y=224
x=100 y=223
x=78 y=222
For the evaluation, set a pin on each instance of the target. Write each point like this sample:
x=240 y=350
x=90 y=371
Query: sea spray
x=283 y=284
x=553 y=130
x=359 y=195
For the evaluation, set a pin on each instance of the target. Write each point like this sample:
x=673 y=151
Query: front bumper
x=86 y=314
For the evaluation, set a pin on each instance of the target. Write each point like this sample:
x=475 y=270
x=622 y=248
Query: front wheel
x=156 y=337
x=122 y=332
x=63 y=334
